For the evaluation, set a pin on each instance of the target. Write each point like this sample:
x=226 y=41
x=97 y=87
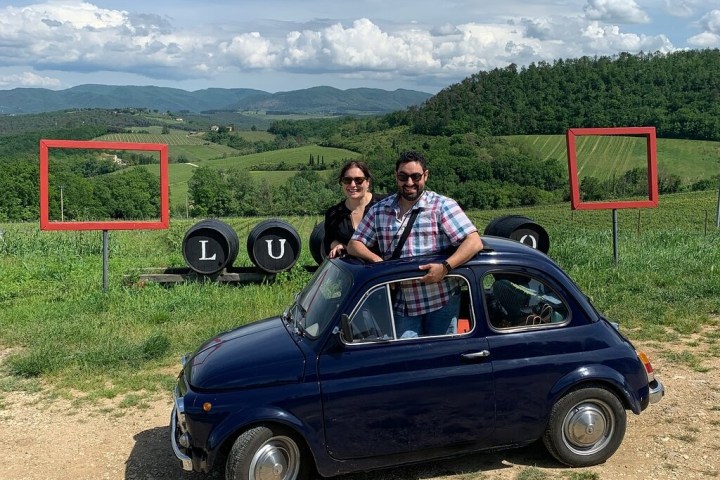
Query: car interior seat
x=514 y=300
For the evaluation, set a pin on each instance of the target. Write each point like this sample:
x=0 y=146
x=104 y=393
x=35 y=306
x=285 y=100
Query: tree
x=131 y=195
x=210 y=193
x=245 y=193
x=592 y=189
x=306 y=194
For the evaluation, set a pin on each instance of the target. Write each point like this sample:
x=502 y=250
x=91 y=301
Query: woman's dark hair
x=357 y=164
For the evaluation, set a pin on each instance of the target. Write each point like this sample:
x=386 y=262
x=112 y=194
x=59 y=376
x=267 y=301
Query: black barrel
x=521 y=229
x=210 y=246
x=318 y=249
x=273 y=245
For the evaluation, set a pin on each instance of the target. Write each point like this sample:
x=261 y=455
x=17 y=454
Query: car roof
x=495 y=250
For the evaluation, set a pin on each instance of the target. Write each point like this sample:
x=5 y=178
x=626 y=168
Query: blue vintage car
x=332 y=387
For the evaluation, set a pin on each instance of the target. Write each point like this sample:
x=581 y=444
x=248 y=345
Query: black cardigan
x=338 y=225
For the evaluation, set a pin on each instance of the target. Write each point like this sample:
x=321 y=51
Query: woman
x=342 y=219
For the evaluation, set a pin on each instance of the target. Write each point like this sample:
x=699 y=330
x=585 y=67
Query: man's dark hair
x=411 y=156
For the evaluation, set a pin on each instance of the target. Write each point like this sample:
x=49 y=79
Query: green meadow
x=213 y=156
x=604 y=156
x=598 y=156
x=66 y=335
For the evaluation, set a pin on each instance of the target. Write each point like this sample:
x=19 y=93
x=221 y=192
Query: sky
x=283 y=45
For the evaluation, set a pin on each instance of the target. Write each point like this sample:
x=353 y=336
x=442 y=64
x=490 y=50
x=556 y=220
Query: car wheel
x=266 y=453
x=586 y=427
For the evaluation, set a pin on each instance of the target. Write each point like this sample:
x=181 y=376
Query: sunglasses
x=403 y=177
x=349 y=180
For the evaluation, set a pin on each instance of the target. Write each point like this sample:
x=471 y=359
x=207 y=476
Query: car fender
x=242 y=420
x=599 y=374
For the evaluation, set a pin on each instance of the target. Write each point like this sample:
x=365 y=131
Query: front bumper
x=178 y=432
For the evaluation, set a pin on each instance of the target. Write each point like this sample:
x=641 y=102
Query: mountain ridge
x=314 y=100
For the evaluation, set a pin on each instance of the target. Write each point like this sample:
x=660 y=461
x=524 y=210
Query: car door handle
x=476 y=355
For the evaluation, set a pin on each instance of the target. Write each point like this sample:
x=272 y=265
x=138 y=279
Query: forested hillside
x=459 y=130
x=678 y=93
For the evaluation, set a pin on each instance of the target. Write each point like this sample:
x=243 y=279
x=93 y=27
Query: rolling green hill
x=314 y=100
x=180 y=173
x=603 y=156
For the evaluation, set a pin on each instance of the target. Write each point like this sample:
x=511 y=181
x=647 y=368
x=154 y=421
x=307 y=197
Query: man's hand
x=435 y=272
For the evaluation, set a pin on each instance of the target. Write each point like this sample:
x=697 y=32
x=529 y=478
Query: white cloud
x=616 y=11
x=705 y=40
x=711 y=21
x=366 y=46
x=611 y=39
x=77 y=37
x=710 y=37
x=28 y=79
x=251 y=50
x=684 y=8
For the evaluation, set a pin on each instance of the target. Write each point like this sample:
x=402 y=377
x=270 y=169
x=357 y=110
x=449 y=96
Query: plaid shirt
x=440 y=225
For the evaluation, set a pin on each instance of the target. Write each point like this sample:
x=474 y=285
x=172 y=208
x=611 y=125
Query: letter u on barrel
x=273 y=245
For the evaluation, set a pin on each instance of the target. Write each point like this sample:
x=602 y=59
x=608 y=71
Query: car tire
x=586 y=427
x=266 y=452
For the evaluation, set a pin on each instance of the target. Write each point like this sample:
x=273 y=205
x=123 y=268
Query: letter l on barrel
x=203 y=255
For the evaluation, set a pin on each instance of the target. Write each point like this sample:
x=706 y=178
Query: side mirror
x=346 y=330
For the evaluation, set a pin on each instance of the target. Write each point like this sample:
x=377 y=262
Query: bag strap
x=406 y=232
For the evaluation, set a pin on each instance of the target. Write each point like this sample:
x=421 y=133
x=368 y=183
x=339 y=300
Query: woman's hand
x=337 y=251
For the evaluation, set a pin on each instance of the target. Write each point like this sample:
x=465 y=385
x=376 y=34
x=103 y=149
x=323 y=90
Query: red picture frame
x=575 y=201
x=46 y=224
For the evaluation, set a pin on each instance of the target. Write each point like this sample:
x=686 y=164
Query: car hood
x=259 y=354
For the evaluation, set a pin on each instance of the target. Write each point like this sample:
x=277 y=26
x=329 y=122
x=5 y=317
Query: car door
x=384 y=395
x=537 y=335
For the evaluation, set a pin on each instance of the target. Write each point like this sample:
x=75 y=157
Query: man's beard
x=411 y=196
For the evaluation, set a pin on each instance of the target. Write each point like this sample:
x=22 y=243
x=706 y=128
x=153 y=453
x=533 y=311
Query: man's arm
x=358 y=249
x=467 y=249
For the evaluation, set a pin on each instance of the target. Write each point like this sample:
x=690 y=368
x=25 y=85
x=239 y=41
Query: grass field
x=257 y=136
x=181 y=138
x=598 y=156
x=222 y=157
x=605 y=156
x=64 y=332
x=291 y=156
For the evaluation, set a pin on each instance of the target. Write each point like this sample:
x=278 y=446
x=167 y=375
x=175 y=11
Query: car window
x=517 y=300
x=382 y=314
x=321 y=298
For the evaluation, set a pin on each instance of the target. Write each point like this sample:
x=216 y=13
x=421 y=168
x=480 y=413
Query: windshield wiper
x=287 y=314
x=298 y=318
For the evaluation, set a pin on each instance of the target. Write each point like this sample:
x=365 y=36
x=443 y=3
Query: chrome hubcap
x=587 y=427
x=277 y=459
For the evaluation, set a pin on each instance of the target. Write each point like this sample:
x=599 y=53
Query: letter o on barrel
x=521 y=229
x=273 y=246
x=210 y=246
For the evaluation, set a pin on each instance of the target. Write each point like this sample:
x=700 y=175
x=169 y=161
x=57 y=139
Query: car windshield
x=316 y=305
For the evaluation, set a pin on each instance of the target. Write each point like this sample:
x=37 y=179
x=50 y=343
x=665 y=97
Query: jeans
x=442 y=321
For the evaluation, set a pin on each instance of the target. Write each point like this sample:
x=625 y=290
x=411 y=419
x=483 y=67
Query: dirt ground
x=676 y=438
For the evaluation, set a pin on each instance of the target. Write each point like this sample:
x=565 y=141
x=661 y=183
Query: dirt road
x=673 y=439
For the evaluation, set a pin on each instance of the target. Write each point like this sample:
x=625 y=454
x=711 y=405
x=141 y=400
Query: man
x=430 y=305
